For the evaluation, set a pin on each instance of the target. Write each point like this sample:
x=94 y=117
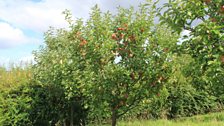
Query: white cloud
x=11 y=36
x=28 y=15
x=38 y=16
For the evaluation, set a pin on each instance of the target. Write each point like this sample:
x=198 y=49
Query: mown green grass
x=212 y=119
x=172 y=123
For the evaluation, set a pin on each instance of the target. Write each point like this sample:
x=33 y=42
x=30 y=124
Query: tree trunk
x=64 y=122
x=72 y=115
x=114 y=117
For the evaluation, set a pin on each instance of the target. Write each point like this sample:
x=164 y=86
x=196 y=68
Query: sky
x=23 y=22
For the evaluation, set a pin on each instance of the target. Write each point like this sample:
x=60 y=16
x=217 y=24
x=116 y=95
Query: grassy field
x=213 y=119
x=172 y=123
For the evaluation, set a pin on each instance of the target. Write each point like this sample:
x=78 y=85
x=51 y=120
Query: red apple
x=207 y=1
x=121 y=36
x=222 y=8
x=132 y=38
x=120 y=29
x=114 y=36
x=84 y=42
x=222 y=58
x=126 y=25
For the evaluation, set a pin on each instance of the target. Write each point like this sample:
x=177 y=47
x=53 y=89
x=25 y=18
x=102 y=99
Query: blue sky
x=23 y=22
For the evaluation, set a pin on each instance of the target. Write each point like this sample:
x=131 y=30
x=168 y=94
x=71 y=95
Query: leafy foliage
x=24 y=102
x=194 y=85
x=205 y=42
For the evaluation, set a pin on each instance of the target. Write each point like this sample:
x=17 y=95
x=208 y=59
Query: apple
x=160 y=78
x=78 y=33
x=121 y=49
x=132 y=38
x=132 y=76
x=207 y=1
x=213 y=20
x=222 y=58
x=114 y=36
x=126 y=25
x=125 y=43
x=166 y=49
x=142 y=30
x=120 y=29
x=84 y=42
x=121 y=36
x=130 y=55
x=222 y=9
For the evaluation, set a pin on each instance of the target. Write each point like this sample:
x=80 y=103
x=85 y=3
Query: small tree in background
x=205 y=43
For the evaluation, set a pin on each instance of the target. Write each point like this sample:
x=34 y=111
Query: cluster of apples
x=119 y=35
x=83 y=42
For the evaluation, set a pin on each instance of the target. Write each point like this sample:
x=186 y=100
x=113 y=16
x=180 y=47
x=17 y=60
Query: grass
x=212 y=119
x=172 y=123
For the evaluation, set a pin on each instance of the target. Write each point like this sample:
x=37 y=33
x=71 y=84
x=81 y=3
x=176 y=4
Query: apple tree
x=126 y=56
x=108 y=63
x=204 y=19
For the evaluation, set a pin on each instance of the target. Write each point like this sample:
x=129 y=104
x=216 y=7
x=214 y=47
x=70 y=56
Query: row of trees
x=122 y=65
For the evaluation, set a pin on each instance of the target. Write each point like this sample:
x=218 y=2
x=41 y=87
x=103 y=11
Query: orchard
x=114 y=67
